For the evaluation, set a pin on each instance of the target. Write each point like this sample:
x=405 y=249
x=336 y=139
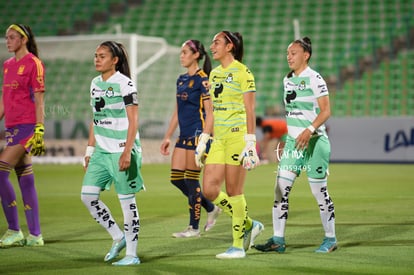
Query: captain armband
x=131 y=99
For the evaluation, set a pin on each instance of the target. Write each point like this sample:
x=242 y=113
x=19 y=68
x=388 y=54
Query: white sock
x=99 y=211
x=131 y=223
x=283 y=186
x=326 y=207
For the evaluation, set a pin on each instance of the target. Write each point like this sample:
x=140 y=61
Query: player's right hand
x=248 y=157
x=164 y=147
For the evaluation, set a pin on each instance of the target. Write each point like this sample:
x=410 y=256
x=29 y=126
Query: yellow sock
x=238 y=220
x=249 y=221
x=222 y=201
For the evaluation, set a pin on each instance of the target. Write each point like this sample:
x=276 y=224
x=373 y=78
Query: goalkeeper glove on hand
x=88 y=153
x=200 y=151
x=248 y=157
x=37 y=141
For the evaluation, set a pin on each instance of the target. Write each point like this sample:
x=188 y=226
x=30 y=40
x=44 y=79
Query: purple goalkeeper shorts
x=20 y=134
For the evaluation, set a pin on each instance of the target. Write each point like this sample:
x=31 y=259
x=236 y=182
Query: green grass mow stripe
x=374 y=225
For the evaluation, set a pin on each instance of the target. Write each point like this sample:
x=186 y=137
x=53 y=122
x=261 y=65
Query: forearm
x=132 y=113
x=321 y=118
x=249 y=103
x=40 y=108
x=172 y=126
x=91 y=137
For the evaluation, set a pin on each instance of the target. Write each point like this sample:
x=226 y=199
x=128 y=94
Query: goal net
x=69 y=70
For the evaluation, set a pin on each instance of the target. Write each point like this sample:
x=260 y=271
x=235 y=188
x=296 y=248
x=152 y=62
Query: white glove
x=200 y=151
x=88 y=153
x=248 y=157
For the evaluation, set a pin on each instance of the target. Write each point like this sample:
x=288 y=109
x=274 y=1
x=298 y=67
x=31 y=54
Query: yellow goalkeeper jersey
x=227 y=88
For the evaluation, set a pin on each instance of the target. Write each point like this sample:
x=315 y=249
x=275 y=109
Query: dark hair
x=118 y=50
x=236 y=39
x=259 y=121
x=31 y=42
x=267 y=129
x=306 y=45
x=197 y=46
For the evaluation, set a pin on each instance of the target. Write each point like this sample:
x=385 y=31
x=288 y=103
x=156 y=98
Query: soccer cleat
x=212 y=217
x=117 y=246
x=328 y=245
x=12 y=238
x=187 y=233
x=251 y=234
x=128 y=260
x=34 y=241
x=232 y=253
x=276 y=244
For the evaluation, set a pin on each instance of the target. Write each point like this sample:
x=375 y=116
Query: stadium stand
x=364 y=49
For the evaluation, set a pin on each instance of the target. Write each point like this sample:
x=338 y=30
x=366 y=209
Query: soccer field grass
x=374 y=223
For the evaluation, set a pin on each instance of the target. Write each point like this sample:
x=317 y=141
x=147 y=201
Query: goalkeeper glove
x=88 y=153
x=248 y=157
x=200 y=151
x=37 y=141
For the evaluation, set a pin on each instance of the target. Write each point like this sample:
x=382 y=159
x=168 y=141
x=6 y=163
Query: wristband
x=250 y=137
x=311 y=128
x=89 y=151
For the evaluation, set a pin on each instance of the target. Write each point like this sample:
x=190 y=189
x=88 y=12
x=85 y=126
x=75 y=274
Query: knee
x=210 y=193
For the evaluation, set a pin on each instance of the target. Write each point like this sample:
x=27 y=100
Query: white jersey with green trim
x=300 y=96
x=110 y=121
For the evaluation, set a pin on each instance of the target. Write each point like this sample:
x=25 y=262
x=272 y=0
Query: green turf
x=374 y=222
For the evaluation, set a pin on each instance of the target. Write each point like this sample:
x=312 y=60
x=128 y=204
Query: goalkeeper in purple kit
x=22 y=106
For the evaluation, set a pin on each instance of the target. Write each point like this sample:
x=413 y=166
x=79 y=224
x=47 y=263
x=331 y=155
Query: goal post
x=69 y=66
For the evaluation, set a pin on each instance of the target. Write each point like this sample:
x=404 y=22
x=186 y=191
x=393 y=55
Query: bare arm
x=125 y=159
x=91 y=137
x=249 y=104
x=40 y=107
x=1 y=109
x=325 y=112
x=170 y=131
x=209 y=122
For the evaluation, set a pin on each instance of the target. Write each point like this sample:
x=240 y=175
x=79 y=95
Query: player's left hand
x=37 y=141
x=302 y=140
x=248 y=157
x=124 y=161
x=200 y=151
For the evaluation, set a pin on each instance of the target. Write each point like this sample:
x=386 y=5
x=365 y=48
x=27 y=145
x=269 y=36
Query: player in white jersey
x=113 y=154
x=307 y=146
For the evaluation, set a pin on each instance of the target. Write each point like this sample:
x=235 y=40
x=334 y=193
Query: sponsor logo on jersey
x=219 y=109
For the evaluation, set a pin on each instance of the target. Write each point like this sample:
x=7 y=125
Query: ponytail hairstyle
x=26 y=31
x=118 y=50
x=197 y=46
x=306 y=45
x=236 y=39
